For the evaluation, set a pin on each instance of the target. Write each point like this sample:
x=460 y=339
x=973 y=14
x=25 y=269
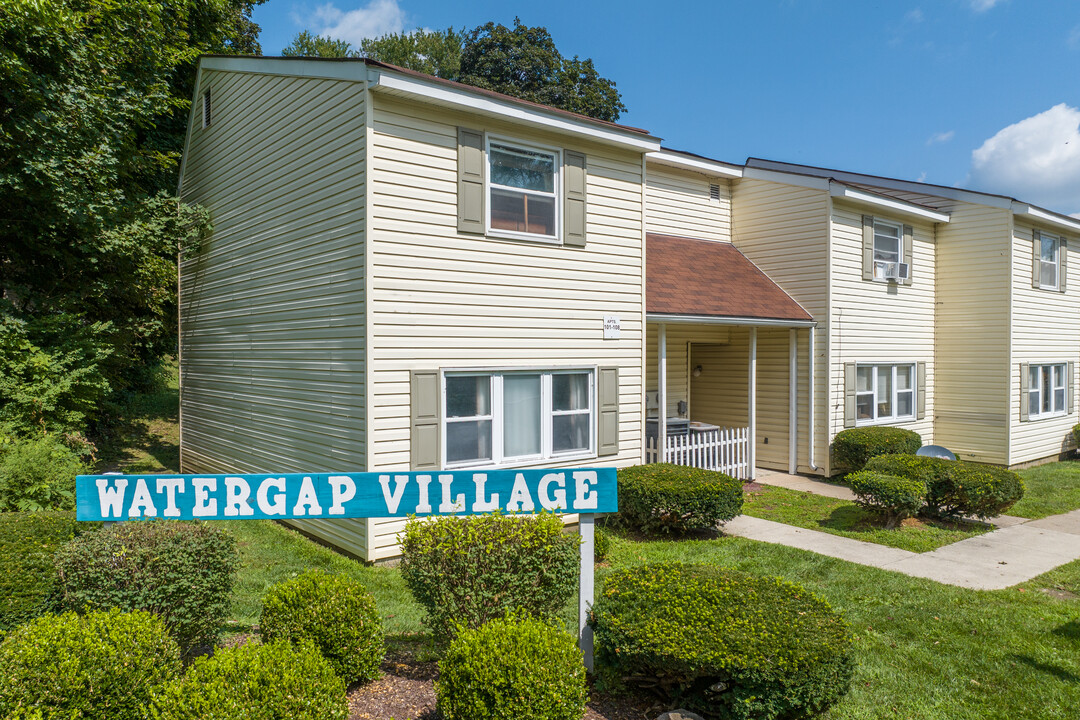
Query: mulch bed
x=406 y=692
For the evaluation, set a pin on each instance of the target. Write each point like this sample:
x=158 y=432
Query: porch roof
x=708 y=279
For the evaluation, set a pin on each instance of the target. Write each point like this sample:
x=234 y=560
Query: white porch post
x=751 y=404
x=793 y=401
x=812 y=402
x=661 y=370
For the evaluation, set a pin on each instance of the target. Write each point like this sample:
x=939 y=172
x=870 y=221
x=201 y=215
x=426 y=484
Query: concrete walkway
x=1016 y=551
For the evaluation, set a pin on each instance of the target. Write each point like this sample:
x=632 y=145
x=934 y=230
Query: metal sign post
x=586 y=525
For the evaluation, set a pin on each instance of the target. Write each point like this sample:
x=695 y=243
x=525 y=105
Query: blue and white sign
x=344 y=495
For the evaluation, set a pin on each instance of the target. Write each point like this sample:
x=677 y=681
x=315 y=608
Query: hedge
x=28 y=542
x=723 y=643
x=669 y=498
x=892 y=497
x=39 y=474
x=465 y=571
x=852 y=448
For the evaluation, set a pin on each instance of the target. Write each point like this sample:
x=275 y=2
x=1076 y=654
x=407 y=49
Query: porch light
x=697 y=371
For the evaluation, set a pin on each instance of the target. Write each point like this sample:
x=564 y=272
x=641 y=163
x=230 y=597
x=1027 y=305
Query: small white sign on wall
x=611 y=327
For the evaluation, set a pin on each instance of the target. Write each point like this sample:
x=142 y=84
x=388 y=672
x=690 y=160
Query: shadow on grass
x=147 y=438
x=1057 y=672
x=850 y=517
x=1070 y=630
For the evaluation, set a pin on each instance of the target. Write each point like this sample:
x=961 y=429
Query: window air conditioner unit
x=896 y=271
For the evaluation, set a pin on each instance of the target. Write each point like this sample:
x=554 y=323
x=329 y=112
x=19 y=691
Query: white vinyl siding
x=272 y=340
x=680 y=203
x=442 y=299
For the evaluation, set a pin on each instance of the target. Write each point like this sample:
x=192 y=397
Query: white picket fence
x=724 y=449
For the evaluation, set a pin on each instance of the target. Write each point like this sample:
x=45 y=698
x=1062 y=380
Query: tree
x=307 y=45
x=435 y=52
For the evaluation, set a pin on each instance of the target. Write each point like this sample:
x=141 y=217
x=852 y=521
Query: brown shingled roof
x=685 y=276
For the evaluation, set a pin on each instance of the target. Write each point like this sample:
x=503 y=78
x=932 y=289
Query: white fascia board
x=839 y=190
x=720 y=320
x=786 y=178
x=701 y=165
x=347 y=70
x=1044 y=216
x=464 y=100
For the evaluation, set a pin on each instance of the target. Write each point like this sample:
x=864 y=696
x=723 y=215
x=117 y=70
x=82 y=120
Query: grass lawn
x=1051 y=489
x=842 y=517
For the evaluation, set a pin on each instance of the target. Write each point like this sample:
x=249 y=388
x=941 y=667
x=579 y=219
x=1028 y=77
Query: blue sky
x=971 y=93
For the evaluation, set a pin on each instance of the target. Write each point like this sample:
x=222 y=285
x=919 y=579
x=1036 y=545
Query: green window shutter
x=471 y=172
x=1036 y=250
x=426 y=401
x=1025 y=387
x=1063 y=258
x=1069 y=369
x=573 y=199
x=849 y=391
x=608 y=412
x=920 y=390
x=909 y=243
x=867 y=247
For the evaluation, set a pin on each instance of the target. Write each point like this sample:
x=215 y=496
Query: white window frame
x=547 y=453
x=1056 y=239
x=899 y=247
x=894 y=418
x=512 y=143
x=1042 y=391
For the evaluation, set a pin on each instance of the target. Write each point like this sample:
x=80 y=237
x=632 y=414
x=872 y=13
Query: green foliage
x=307 y=45
x=100 y=666
x=892 y=497
x=1076 y=435
x=852 y=448
x=27 y=544
x=674 y=498
x=255 y=682
x=601 y=544
x=512 y=669
x=39 y=474
x=722 y=642
x=465 y=571
x=956 y=488
x=180 y=571
x=335 y=613
x=435 y=52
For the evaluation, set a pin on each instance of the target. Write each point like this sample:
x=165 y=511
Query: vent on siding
x=714 y=192
x=207 y=114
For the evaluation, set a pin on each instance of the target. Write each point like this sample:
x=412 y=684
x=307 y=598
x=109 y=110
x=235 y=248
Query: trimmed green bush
x=892 y=497
x=180 y=571
x=955 y=488
x=665 y=498
x=512 y=669
x=723 y=643
x=852 y=448
x=255 y=682
x=39 y=474
x=333 y=612
x=1076 y=435
x=465 y=571
x=28 y=542
x=98 y=666
x=601 y=544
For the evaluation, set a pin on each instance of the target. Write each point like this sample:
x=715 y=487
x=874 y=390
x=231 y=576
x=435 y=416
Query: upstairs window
x=888 y=247
x=523 y=186
x=1049 y=261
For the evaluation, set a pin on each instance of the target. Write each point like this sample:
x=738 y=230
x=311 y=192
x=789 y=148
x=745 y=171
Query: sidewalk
x=1018 y=550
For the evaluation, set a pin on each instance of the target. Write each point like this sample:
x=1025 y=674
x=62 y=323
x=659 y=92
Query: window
x=523 y=186
x=884 y=393
x=1046 y=390
x=207 y=115
x=888 y=246
x=1049 y=261
x=515 y=417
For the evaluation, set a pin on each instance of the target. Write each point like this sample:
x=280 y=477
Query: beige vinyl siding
x=1045 y=329
x=880 y=322
x=441 y=299
x=784 y=230
x=678 y=203
x=272 y=331
x=679 y=338
x=719 y=395
x=971 y=394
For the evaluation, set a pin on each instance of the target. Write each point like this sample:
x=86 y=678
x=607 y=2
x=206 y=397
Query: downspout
x=793 y=401
x=811 y=420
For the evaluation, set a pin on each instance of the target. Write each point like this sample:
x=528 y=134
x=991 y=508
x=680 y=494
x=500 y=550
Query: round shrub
x=335 y=613
x=723 y=643
x=512 y=669
x=102 y=665
x=180 y=571
x=255 y=682
x=465 y=571
x=673 y=498
x=955 y=488
x=892 y=497
x=854 y=447
x=39 y=474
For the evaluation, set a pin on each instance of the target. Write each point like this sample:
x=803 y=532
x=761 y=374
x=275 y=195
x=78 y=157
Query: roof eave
x=1047 y=217
x=675 y=318
x=684 y=162
x=884 y=202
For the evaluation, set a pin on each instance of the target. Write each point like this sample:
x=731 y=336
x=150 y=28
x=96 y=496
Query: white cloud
x=376 y=18
x=984 y=5
x=1036 y=159
x=914 y=16
x=922 y=177
x=941 y=137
